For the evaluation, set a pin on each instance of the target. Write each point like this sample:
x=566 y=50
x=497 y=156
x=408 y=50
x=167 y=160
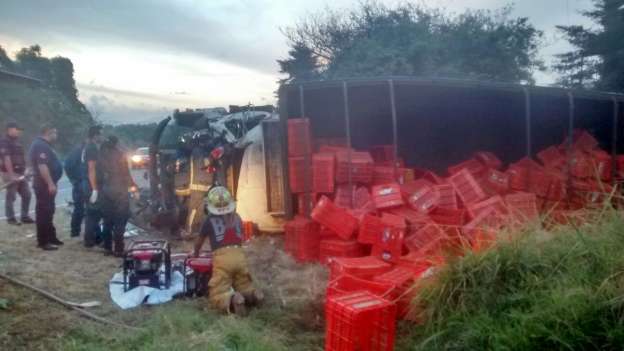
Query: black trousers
x=12 y=190
x=44 y=215
x=79 y=209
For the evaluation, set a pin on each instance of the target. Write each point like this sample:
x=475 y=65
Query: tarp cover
x=151 y=296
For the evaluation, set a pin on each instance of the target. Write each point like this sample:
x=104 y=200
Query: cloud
x=220 y=30
x=108 y=110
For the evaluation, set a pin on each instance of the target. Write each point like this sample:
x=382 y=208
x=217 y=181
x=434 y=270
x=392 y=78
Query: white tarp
x=151 y=296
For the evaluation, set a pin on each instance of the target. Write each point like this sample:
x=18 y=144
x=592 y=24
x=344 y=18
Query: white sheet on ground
x=135 y=297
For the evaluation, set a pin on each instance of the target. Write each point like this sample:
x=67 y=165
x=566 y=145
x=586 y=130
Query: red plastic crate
x=433 y=178
x=427 y=239
x=496 y=182
x=389 y=245
x=601 y=165
x=302 y=240
x=584 y=141
x=495 y=202
x=361 y=167
x=362 y=199
x=403 y=279
x=359 y=321
x=473 y=166
x=326 y=233
x=371 y=228
x=551 y=157
x=297 y=169
x=539 y=182
x=394 y=220
x=312 y=198
x=299 y=137
x=362 y=267
x=489 y=160
x=519 y=174
x=557 y=191
x=345 y=284
x=489 y=219
x=522 y=207
x=339 y=220
x=382 y=153
x=448 y=196
x=332 y=248
x=384 y=175
x=421 y=195
x=467 y=188
x=580 y=165
x=414 y=219
x=387 y=196
x=448 y=217
x=344 y=196
x=323 y=172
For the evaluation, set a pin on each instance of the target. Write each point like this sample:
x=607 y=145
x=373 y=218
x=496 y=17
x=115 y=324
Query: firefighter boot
x=237 y=305
x=254 y=298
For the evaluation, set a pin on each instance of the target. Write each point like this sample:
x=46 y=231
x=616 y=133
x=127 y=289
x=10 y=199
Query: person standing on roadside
x=72 y=167
x=12 y=167
x=90 y=186
x=47 y=170
x=115 y=183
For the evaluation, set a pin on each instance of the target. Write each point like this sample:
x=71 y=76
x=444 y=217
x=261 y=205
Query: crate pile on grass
x=380 y=225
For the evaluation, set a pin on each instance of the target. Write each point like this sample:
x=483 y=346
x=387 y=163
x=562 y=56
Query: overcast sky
x=137 y=60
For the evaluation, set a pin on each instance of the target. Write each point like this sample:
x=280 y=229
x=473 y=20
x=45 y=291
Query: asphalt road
x=64 y=195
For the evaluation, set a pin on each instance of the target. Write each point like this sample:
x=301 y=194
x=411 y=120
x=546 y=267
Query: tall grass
x=545 y=290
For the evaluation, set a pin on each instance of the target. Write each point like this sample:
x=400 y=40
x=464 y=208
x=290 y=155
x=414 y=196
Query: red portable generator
x=197 y=274
x=142 y=262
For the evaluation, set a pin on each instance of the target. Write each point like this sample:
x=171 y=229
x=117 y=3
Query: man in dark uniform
x=90 y=186
x=47 y=170
x=72 y=166
x=115 y=183
x=12 y=167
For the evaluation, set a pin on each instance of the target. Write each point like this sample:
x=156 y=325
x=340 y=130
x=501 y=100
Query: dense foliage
x=55 y=101
x=547 y=290
x=375 y=40
x=597 y=60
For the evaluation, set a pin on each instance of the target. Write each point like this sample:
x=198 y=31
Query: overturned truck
x=433 y=124
x=190 y=152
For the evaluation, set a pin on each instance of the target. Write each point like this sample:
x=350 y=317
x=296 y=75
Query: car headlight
x=135 y=158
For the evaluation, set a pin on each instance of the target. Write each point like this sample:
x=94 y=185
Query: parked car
x=140 y=158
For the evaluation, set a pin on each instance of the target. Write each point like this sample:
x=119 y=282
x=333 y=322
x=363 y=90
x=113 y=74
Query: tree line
x=378 y=40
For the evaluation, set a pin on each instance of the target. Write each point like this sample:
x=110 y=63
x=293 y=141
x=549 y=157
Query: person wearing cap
x=90 y=187
x=12 y=167
x=47 y=170
x=115 y=183
x=231 y=288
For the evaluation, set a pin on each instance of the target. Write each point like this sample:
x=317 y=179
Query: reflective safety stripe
x=200 y=187
x=190 y=221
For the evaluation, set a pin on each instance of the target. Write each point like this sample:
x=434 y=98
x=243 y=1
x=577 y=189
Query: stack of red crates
x=302 y=240
x=359 y=321
x=407 y=224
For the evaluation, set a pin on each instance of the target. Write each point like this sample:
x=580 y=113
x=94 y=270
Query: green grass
x=558 y=290
x=184 y=325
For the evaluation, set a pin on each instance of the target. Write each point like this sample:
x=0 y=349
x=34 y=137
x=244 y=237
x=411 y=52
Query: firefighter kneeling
x=230 y=288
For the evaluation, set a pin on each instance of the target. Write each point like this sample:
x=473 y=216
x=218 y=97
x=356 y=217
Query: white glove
x=94 y=196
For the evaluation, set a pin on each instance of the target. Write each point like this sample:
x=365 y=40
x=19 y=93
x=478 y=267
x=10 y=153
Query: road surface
x=64 y=195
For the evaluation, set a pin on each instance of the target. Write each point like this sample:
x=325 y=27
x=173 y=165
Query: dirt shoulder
x=79 y=274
